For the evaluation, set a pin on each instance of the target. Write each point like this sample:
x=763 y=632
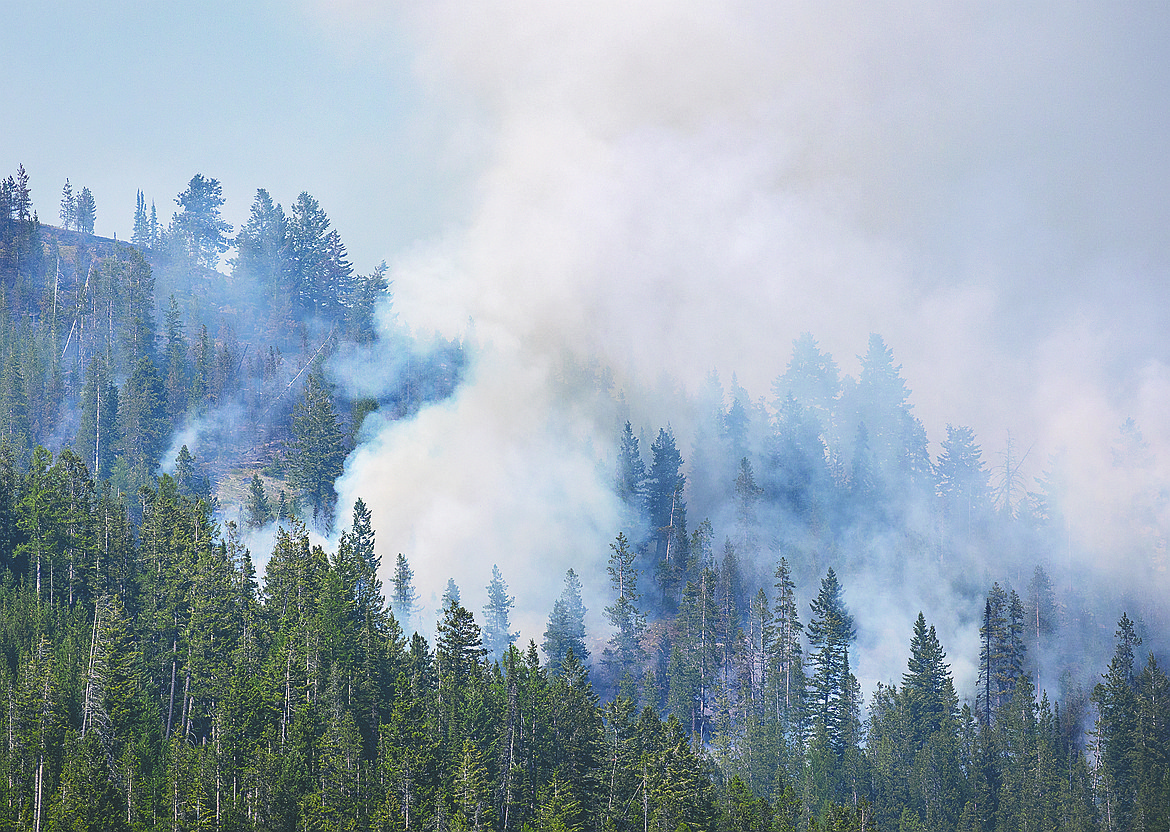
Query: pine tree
x=786 y=683
x=141 y=236
x=1117 y=731
x=962 y=482
x=142 y=422
x=308 y=253
x=86 y=211
x=261 y=246
x=97 y=436
x=665 y=505
x=631 y=473
x=566 y=626
x=812 y=380
x=318 y=450
x=927 y=685
x=68 y=207
x=497 y=637
x=257 y=509
x=403 y=597
x=623 y=656
x=199 y=229
x=830 y=688
x=1001 y=657
x=1042 y=617
x=176 y=381
x=15 y=430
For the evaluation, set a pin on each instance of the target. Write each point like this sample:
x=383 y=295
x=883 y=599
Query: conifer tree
x=623 y=656
x=830 y=687
x=786 y=681
x=257 y=509
x=566 y=626
x=15 y=430
x=318 y=450
x=403 y=597
x=176 y=382
x=1117 y=731
x=665 y=505
x=927 y=685
x=1001 y=657
x=141 y=235
x=198 y=229
x=631 y=473
x=86 y=211
x=142 y=422
x=496 y=625
x=261 y=246
x=68 y=207
x=97 y=437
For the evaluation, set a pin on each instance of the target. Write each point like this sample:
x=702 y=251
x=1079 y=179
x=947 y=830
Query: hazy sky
x=670 y=187
x=121 y=96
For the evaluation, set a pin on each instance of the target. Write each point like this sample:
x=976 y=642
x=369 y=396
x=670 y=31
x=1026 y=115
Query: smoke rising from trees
x=664 y=189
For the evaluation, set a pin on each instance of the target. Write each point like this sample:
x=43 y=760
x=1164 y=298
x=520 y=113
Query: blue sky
x=121 y=96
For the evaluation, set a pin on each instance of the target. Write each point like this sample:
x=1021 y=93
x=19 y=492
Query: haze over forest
x=724 y=286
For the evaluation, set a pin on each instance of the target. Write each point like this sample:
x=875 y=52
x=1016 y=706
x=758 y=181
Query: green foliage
x=318 y=449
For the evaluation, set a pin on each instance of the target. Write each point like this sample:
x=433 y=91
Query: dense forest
x=151 y=679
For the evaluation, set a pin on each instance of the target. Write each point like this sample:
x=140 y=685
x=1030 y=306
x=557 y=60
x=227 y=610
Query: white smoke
x=670 y=187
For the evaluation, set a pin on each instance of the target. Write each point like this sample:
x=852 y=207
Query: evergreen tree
x=318 y=451
x=257 y=509
x=308 y=253
x=261 y=246
x=199 y=230
x=1042 y=617
x=367 y=293
x=631 y=475
x=665 y=505
x=830 y=687
x=786 y=663
x=176 y=382
x=142 y=422
x=1001 y=657
x=812 y=380
x=566 y=626
x=141 y=236
x=68 y=207
x=97 y=436
x=1118 y=732
x=496 y=635
x=86 y=211
x=695 y=655
x=962 y=482
x=403 y=597
x=927 y=686
x=189 y=479
x=623 y=656
x=15 y=430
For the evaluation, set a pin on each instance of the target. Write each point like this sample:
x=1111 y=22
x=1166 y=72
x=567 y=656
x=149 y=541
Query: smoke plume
x=664 y=188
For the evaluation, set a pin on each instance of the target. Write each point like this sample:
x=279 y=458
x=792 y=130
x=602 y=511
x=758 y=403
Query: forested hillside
x=153 y=680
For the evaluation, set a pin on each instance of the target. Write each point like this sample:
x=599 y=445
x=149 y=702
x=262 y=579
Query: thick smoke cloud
x=672 y=187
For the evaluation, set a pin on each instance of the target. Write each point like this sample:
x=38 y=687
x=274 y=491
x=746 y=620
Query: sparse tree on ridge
x=68 y=207
x=199 y=229
x=86 y=211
